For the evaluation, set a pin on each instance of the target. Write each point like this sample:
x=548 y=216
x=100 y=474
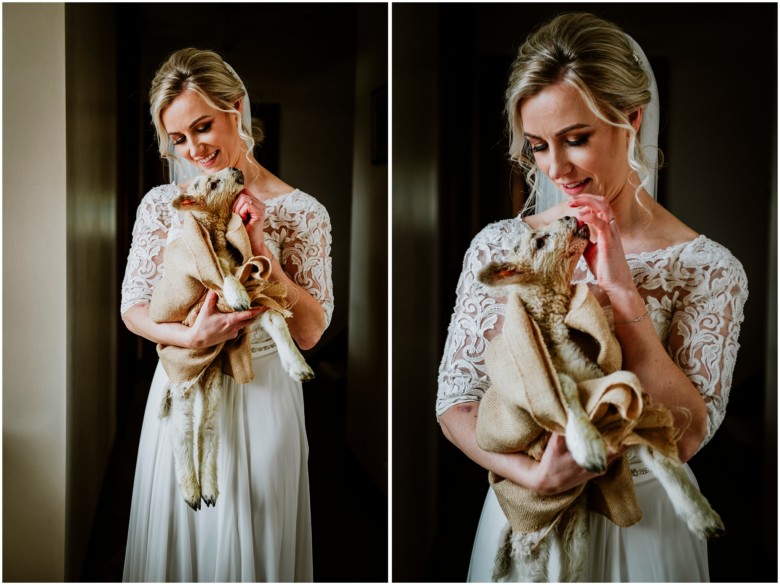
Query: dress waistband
x=263 y=349
x=638 y=468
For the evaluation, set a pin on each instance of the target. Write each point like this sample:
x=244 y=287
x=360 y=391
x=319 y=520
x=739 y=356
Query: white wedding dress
x=260 y=528
x=695 y=293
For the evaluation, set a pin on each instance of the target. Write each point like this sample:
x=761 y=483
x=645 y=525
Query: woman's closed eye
x=572 y=142
x=177 y=139
x=578 y=141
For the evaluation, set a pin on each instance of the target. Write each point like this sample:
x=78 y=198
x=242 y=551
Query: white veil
x=182 y=170
x=548 y=195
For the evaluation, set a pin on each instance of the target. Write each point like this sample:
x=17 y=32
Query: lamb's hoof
x=716 y=532
x=587 y=447
x=594 y=462
x=235 y=294
x=209 y=491
x=301 y=372
x=191 y=494
x=708 y=526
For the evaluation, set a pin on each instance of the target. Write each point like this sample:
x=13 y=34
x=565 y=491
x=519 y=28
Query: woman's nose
x=194 y=146
x=560 y=166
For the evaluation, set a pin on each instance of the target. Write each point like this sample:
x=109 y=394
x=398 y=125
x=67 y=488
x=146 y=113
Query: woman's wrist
x=628 y=306
x=279 y=275
x=262 y=250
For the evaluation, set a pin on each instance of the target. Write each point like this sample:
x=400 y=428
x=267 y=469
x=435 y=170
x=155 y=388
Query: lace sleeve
x=705 y=325
x=150 y=234
x=300 y=232
x=477 y=318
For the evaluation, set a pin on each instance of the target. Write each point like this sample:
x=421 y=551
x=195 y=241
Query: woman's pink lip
x=577 y=189
x=210 y=162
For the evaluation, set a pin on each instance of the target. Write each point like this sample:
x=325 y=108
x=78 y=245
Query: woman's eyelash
x=200 y=130
x=578 y=141
x=582 y=140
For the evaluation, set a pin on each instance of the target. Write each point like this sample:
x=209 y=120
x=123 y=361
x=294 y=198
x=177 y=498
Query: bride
x=582 y=109
x=260 y=528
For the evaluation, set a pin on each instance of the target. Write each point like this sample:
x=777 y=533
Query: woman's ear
x=635 y=118
x=239 y=105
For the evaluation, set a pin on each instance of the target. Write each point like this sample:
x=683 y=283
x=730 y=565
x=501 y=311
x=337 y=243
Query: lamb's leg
x=180 y=435
x=573 y=530
x=583 y=440
x=292 y=360
x=687 y=500
x=208 y=436
x=235 y=293
x=502 y=565
x=530 y=557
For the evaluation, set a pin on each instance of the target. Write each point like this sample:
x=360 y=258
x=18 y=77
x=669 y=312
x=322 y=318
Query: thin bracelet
x=637 y=320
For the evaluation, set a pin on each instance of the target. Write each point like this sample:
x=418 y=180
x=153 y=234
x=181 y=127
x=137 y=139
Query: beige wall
x=34 y=292
x=367 y=386
x=59 y=302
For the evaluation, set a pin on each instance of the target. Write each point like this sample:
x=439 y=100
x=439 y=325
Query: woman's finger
x=247 y=316
x=211 y=300
x=242 y=204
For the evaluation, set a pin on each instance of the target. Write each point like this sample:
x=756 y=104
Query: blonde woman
x=260 y=527
x=582 y=116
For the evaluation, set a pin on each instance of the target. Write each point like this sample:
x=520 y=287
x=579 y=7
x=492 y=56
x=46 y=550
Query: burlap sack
x=523 y=406
x=191 y=268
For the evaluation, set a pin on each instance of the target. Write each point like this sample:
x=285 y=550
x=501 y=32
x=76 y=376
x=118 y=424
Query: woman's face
x=202 y=135
x=576 y=150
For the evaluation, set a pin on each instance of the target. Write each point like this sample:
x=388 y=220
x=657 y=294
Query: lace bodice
x=297 y=233
x=695 y=293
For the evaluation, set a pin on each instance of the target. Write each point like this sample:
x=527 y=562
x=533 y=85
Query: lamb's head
x=544 y=259
x=212 y=194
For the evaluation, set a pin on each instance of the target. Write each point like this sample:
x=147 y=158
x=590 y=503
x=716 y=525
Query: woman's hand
x=605 y=257
x=212 y=327
x=557 y=472
x=251 y=210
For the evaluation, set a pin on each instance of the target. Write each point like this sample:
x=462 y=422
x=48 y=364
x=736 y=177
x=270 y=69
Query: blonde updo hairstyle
x=207 y=74
x=597 y=59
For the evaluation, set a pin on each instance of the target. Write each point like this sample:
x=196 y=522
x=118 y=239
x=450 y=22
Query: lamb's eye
x=213 y=185
x=540 y=242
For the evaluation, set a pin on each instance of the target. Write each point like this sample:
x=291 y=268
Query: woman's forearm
x=662 y=379
x=459 y=425
x=211 y=327
x=138 y=320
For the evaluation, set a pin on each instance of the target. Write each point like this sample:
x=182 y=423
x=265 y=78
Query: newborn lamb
x=548 y=377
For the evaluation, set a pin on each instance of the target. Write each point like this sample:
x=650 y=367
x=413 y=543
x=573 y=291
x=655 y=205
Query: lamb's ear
x=502 y=273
